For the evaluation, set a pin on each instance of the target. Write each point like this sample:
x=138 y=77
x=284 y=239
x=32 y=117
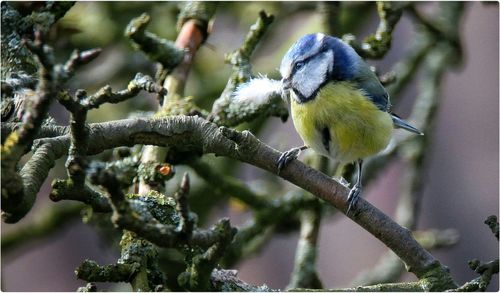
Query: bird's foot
x=353 y=198
x=342 y=181
x=288 y=156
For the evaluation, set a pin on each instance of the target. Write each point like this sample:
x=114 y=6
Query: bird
x=338 y=105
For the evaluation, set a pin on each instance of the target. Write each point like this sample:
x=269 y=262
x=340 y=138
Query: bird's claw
x=353 y=198
x=287 y=157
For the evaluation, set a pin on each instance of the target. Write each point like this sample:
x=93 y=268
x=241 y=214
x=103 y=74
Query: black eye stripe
x=299 y=64
x=305 y=60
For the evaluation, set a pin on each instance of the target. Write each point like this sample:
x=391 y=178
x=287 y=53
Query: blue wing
x=348 y=65
x=375 y=91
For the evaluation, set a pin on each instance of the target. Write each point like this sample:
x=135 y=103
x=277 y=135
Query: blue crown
x=345 y=58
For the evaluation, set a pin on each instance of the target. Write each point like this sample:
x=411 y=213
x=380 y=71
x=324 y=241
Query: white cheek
x=285 y=71
x=308 y=79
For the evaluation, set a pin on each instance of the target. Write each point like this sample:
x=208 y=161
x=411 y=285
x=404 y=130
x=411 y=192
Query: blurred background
x=462 y=168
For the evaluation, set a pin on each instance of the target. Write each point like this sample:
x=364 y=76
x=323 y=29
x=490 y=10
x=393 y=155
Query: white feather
x=257 y=90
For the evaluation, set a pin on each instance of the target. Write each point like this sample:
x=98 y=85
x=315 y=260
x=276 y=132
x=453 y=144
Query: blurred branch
x=413 y=152
x=280 y=216
x=200 y=13
x=330 y=15
x=379 y=43
x=425 y=45
x=16 y=89
x=434 y=239
x=44 y=225
x=407 y=68
x=389 y=267
x=157 y=49
x=438 y=29
x=304 y=274
x=229 y=186
x=15 y=57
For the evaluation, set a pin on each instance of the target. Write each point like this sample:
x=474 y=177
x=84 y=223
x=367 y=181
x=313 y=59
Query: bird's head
x=311 y=62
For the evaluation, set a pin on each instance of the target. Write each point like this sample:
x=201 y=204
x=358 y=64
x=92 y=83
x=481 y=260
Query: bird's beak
x=287 y=84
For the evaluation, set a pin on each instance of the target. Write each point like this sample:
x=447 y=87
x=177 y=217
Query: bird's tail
x=400 y=123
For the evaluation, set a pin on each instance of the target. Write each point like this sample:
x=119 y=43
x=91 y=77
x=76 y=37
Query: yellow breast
x=357 y=128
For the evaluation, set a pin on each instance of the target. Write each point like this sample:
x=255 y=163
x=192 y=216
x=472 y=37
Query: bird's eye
x=299 y=65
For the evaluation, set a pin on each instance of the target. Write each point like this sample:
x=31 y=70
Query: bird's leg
x=288 y=156
x=353 y=197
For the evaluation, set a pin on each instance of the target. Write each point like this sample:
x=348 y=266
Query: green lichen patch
x=156 y=205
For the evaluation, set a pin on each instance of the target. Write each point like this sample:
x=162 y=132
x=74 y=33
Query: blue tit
x=338 y=106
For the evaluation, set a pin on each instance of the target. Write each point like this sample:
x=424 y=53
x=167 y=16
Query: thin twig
x=223 y=113
x=157 y=49
x=379 y=43
x=187 y=222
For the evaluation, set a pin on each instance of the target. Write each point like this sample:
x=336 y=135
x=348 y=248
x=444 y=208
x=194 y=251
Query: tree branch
x=227 y=281
x=199 y=135
x=157 y=49
x=186 y=221
x=492 y=222
x=19 y=191
x=304 y=273
x=486 y=271
x=194 y=28
x=379 y=43
x=224 y=110
x=90 y=271
x=15 y=145
x=229 y=186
